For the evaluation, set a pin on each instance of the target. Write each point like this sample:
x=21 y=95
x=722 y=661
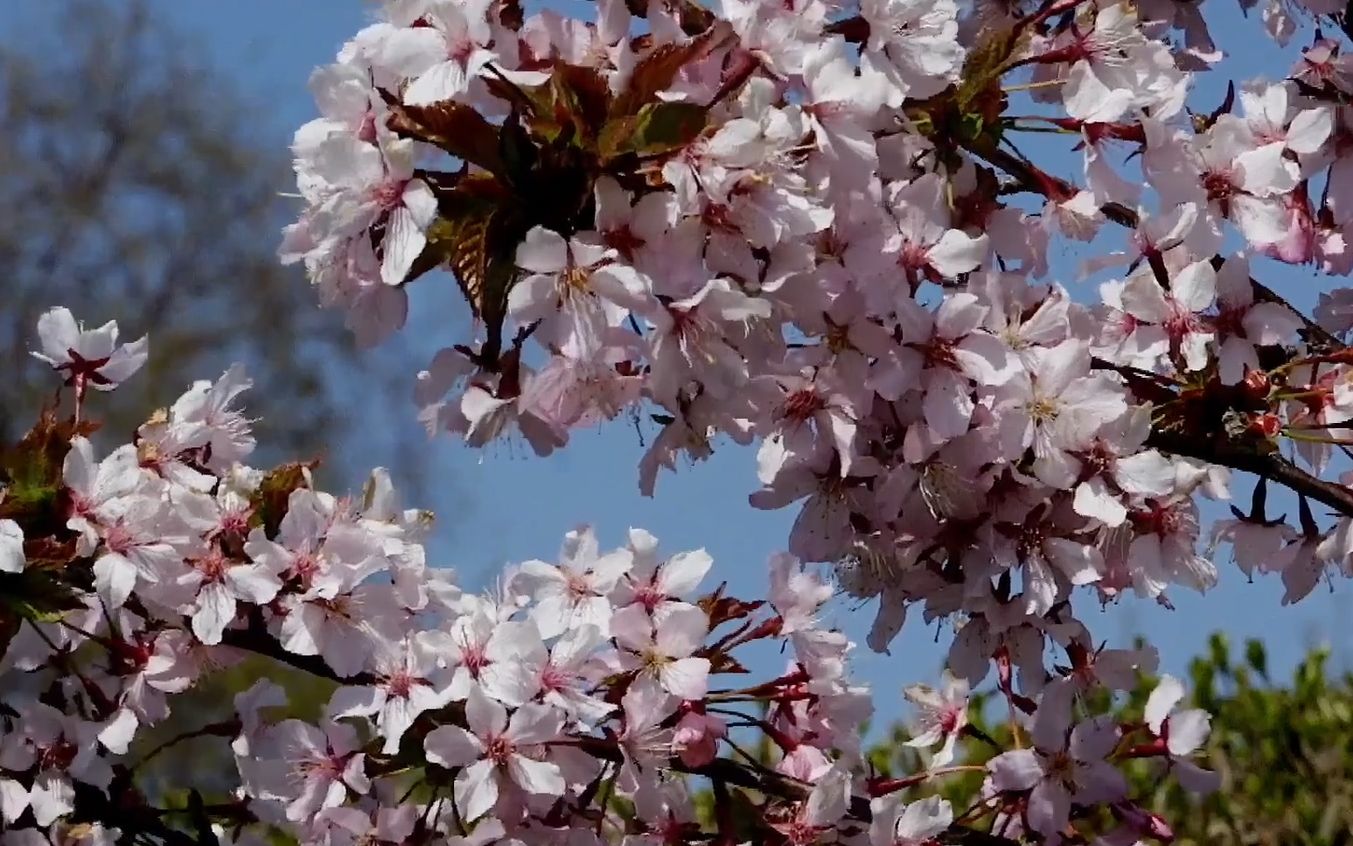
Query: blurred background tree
x=1284 y=752
x=140 y=187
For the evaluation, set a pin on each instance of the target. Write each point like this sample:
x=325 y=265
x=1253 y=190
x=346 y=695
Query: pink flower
x=141 y=543
x=1183 y=733
x=497 y=753
x=952 y=351
x=576 y=288
x=1063 y=768
x=569 y=672
x=692 y=340
x=1054 y=406
x=644 y=741
x=696 y=739
x=574 y=592
x=356 y=186
x=409 y=682
x=822 y=530
x=1164 y=548
x=926 y=247
x=96 y=487
x=896 y=823
x=208 y=422
x=62 y=748
x=442 y=57
x=658 y=585
x=88 y=357
x=12 y=558
x=1175 y=315
x=796 y=593
x=314 y=769
x=662 y=647
x=914 y=44
x=942 y=716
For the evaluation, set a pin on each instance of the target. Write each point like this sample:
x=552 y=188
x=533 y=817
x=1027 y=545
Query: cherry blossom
x=897 y=823
x=1061 y=770
x=1183 y=732
x=88 y=357
x=815 y=231
x=662 y=647
x=493 y=752
x=942 y=716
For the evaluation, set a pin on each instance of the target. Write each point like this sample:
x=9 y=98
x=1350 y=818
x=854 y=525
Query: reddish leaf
x=269 y=503
x=454 y=127
x=30 y=473
x=477 y=236
x=582 y=97
x=657 y=70
x=722 y=608
x=570 y=107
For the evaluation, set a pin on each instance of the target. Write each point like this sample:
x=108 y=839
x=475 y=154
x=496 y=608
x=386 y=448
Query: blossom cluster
x=804 y=226
x=596 y=697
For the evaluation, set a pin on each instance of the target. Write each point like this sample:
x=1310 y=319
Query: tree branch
x=1038 y=182
x=1221 y=451
x=256 y=639
x=1270 y=466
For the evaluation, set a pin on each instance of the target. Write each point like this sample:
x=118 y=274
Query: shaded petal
x=1016 y=770
x=543 y=251
x=1167 y=694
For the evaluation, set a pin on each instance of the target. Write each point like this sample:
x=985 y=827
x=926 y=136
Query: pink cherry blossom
x=942 y=716
x=494 y=752
x=88 y=357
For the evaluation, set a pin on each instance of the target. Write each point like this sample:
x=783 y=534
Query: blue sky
x=504 y=504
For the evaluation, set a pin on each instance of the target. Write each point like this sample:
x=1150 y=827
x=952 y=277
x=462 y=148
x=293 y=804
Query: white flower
x=11 y=547
x=496 y=750
x=1184 y=732
x=942 y=716
x=89 y=357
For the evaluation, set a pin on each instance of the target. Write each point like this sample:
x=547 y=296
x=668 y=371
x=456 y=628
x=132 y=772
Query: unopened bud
x=1255 y=384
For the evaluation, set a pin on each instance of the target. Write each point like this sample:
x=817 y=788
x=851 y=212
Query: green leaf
x=1256 y=657
x=658 y=128
x=37 y=595
x=30 y=474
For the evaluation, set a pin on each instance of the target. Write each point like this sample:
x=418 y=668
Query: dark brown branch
x=256 y=639
x=1270 y=466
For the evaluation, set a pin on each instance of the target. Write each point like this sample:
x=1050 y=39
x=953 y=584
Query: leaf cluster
x=540 y=165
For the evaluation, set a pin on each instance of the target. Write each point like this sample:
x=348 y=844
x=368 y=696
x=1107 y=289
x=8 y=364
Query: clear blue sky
x=505 y=505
